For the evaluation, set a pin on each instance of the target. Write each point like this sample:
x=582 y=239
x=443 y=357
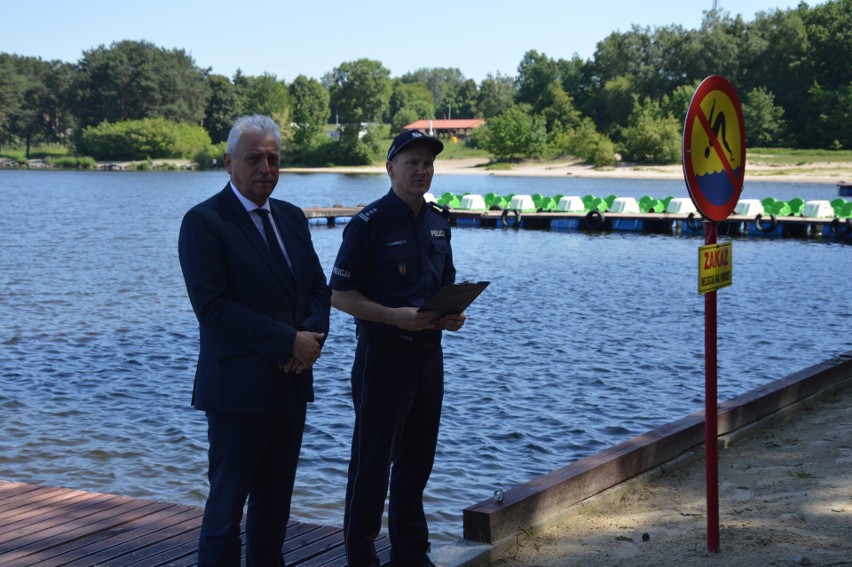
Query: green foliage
x=496 y=95
x=402 y=118
x=536 y=74
x=360 y=91
x=462 y=102
x=310 y=109
x=210 y=157
x=559 y=109
x=763 y=120
x=377 y=139
x=409 y=102
x=651 y=137
x=348 y=150
x=48 y=151
x=786 y=156
x=317 y=153
x=32 y=100
x=446 y=85
x=585 y=142
x=223 y=107
x=18 y=156
x=265 y=95
x=616 y=102
x=71 y=162
x=676 y=104
x=150 y=138
x=830 y=122
x=132 y=80
x=512 y=135
x=358 y=153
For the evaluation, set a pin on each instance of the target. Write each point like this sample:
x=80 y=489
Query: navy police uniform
x=396 y=259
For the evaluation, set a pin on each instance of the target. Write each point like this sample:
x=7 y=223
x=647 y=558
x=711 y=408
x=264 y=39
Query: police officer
x=395 y=255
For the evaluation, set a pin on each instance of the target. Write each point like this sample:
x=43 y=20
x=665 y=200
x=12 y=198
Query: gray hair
x=253 y=123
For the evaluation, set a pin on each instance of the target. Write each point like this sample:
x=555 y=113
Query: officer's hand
x=452 y=322
x=306 y=347
x=409 y=319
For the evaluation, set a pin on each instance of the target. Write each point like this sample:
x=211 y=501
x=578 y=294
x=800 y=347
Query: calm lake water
x=581 y=341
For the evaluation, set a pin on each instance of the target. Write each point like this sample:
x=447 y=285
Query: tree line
x=791 y=68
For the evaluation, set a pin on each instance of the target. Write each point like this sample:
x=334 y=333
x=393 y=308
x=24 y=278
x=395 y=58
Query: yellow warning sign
x=716 y=144
x=715 y=267
x=714 y=148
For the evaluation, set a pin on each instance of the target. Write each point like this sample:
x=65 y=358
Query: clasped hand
x=305 y=352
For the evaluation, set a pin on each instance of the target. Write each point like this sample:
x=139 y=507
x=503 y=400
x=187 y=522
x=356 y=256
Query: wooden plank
x=338 y=559
x=544 y=498
x=99 y=541
x=145 y=532
x=48 y=526
x=10 y=489
x=310 y=545
x=41 y=547
x=30 y=503
x=157 y=541
x=183 y=548
x=49 y=520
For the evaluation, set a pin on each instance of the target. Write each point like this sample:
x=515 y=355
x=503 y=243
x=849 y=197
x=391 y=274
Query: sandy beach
x=785 y=498
x=756 y=170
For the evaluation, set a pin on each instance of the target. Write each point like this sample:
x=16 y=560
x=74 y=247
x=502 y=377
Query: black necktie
x=271 y=239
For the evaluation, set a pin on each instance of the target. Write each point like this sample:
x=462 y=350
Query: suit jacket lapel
x=288 y=237
x=246 y=224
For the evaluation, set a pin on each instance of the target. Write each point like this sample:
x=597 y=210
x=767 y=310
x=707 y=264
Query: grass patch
x=14 y=155
x=799 y=473
x=789 y=156
x=71 y=162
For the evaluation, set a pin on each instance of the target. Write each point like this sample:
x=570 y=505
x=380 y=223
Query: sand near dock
x=828 y=172
x=785 y=498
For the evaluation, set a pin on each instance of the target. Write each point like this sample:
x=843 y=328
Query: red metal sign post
x=711 y=446
x=713 y=167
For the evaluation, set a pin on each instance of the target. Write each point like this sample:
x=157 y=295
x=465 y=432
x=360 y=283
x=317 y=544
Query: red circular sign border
x=707 y=209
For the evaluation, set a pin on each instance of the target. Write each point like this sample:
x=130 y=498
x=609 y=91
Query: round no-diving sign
x=714 y=148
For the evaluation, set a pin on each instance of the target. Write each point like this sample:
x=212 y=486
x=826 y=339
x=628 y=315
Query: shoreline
x=756 y=171
x=816 y=172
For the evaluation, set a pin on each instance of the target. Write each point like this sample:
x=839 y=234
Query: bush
x=17 y=156
x=150 y=138
x=651 y=138
x=210 y=157
x=71 y=162
x=511 y=135
x=358 y=153
x=584 y=142
x=327 y=152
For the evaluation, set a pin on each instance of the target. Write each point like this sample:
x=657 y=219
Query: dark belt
x=414 y=341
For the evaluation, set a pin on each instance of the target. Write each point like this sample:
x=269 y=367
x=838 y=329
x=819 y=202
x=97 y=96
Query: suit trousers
x=254 y=458
x=397 y=390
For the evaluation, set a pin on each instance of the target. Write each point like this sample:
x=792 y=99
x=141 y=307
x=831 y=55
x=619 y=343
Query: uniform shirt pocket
x=397 y=259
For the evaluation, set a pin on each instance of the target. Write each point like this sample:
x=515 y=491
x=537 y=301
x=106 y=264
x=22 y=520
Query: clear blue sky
x=311 y=37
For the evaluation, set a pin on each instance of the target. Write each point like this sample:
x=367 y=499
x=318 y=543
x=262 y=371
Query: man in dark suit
x=262 y=303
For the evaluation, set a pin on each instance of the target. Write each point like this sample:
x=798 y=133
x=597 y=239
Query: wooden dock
x=647 y=223
x=48 y=526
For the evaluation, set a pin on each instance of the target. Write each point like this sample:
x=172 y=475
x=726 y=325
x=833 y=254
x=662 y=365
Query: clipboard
x=453 y=298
